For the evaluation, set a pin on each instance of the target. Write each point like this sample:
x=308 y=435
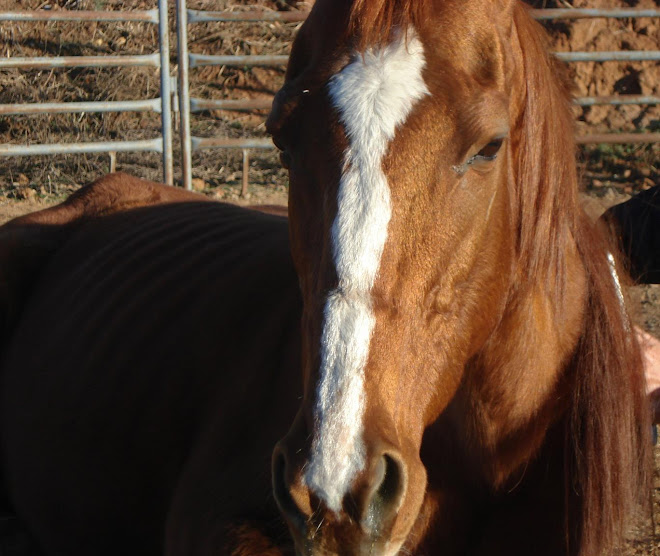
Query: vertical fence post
x=165 y=92
x=246 y=169
x=184 y=94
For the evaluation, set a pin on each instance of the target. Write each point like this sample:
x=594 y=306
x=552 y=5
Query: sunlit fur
x=502 y=378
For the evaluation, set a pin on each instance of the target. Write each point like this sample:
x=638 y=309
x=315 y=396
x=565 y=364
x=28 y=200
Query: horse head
x=433 y=225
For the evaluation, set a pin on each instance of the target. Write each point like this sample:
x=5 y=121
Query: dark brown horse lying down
x=150 y=364
x=637 y=224
x=451 y=369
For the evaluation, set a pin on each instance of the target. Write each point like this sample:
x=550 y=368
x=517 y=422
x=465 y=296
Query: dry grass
x=63 y=172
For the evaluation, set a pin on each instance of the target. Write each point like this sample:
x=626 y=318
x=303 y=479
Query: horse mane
x=372 y=21
x=609 y=417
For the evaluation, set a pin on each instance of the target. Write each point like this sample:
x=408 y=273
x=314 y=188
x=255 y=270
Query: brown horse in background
x=150 y=354
x=471 y=384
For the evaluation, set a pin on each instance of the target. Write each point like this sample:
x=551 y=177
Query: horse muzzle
x=368 y=523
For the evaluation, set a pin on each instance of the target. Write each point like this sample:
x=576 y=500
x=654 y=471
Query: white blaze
x=373 y=95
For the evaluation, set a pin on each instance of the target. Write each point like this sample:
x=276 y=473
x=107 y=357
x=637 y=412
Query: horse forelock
x=373 y=21
x=373 y=95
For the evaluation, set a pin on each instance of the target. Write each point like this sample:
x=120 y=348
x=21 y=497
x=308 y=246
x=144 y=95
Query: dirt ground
x=609 y=78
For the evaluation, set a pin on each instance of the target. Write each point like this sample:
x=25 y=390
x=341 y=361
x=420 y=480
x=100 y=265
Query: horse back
x=27 y=242
x=151 y=367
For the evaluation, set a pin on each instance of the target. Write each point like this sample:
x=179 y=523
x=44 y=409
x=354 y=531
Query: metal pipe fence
x=148 y=60
x=153 y=145
x=189 y=61
x=148 y=16
x=184 y=93
x=149 y=105
x=591 y=13
x=618 y=138
x=161 y=105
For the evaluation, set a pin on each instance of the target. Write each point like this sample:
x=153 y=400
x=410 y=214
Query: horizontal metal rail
x=197 y=16
x=153 y=145
x=200 y=16
x=618 y=138
x=151 y=60
x=150 y=105
x=149 y=16
x=611 y=56
x=201 y=105
x=198 y=60
x=591 y=13
x=617 y=100
x=201 y=143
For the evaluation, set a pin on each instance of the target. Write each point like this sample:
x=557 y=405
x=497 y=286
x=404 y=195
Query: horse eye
x=489 y=152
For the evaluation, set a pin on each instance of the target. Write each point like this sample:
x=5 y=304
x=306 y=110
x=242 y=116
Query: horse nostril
x=390 y=487
x=282 y=494
x=386 y=495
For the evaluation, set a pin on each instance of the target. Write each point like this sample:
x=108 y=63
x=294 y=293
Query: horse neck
x=516 y=387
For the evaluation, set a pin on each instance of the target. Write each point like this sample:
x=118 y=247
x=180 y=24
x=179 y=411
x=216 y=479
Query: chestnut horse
x=470 y=380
